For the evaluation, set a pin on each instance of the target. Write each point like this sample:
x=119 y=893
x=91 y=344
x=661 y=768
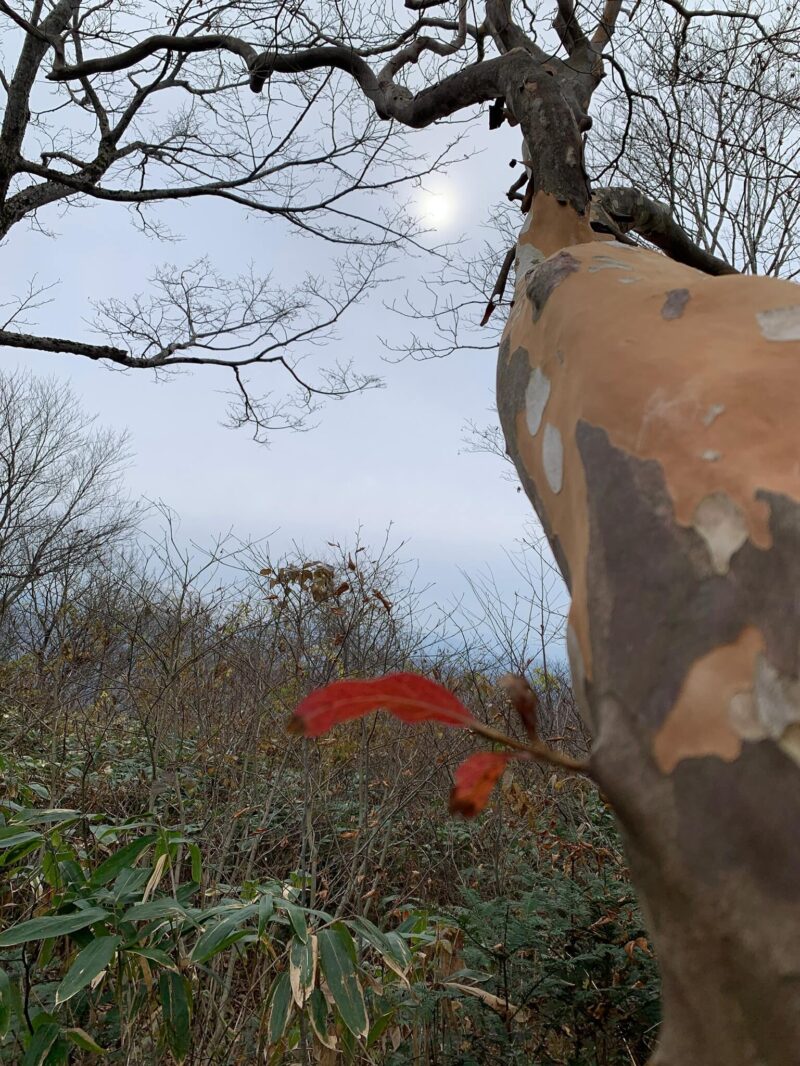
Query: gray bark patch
x=754 y=826
x=656 y=606
x=675 y=303
x=513 y=376
x=546 y=277
x=657 y=601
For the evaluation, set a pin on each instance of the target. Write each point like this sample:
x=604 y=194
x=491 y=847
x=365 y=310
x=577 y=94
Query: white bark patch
x=536 y=396
x=769 y=711
x=790 y=742
x=714 y=411
x=721 y=524
x=607 y=262
x=743 y=716
x=711 y=456
x=627 y=281
x=526 y=225
x=777 y=699
x=553 y=457
x=528 y=256
x=781 y=324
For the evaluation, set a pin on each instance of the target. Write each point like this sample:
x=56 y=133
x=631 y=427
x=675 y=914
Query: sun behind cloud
x=437 y=205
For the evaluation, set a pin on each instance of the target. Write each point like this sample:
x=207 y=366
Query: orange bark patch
x=552 y=226
x=700 y=722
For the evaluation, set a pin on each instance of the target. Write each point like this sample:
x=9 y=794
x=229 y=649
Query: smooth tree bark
x=653 y=415
x=651 y=403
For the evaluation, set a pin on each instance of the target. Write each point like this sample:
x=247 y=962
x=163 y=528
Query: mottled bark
x=652 y=413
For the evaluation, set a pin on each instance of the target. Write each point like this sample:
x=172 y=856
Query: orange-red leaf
x=474 y=780
x=407 y=696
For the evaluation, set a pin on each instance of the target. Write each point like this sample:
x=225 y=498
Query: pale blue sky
x=391 y=456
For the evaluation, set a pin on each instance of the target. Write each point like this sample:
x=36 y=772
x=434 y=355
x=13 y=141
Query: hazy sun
x=436 y=206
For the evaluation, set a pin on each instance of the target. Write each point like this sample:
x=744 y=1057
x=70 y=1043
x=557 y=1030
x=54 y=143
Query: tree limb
x=473 y=84
x=630 y=209
x=568 y=28
x=688 y=14
x=157 y=43
x=8 y=339
x=607 y=24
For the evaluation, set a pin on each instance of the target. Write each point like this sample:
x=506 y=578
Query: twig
x=499 y=286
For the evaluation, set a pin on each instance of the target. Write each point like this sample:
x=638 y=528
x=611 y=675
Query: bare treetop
x=299 y=112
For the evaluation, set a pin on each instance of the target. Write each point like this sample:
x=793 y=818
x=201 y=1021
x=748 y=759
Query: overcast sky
x=392 y=456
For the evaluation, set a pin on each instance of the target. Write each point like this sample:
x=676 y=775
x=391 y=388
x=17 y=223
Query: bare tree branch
x=605 y=27
x=631 y=210
x=568 y=27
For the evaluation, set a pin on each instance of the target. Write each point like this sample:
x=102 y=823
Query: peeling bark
x=674 y=513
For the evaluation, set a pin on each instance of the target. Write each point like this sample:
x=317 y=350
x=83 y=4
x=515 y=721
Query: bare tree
x=177 y=127
x=61 y=502
x=649 y=400
x=708 y=122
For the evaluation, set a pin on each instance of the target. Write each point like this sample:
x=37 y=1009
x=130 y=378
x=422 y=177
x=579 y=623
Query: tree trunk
x=653 y=414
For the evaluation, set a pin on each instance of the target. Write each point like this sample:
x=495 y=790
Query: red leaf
x=474 y=780
x=407 y=696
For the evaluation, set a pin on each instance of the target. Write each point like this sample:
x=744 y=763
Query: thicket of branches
x=303 y=115
x=145 y=688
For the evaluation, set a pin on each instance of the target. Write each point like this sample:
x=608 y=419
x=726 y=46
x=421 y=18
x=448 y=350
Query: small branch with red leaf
x=413 y=698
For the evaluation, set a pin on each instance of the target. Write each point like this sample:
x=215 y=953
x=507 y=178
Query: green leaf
x=80 y=1038
x=297 y=918
x=302 y=968
x=222 y=934
x=50 y=925
x=279 y=1009
x=35 y=815
x=176 y=1008
x=392 y=948
x=197 y=863
x=154 y=955
x=337 y=954
x=129 y=883
x=266 y=907
x=317 y=1013
x=154 y=908
x=379 y=1028
x=123 y=857
x=42 y=1043
x=13 y=835
x=400 y=947
x=90 y=962
x=5 y=1003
